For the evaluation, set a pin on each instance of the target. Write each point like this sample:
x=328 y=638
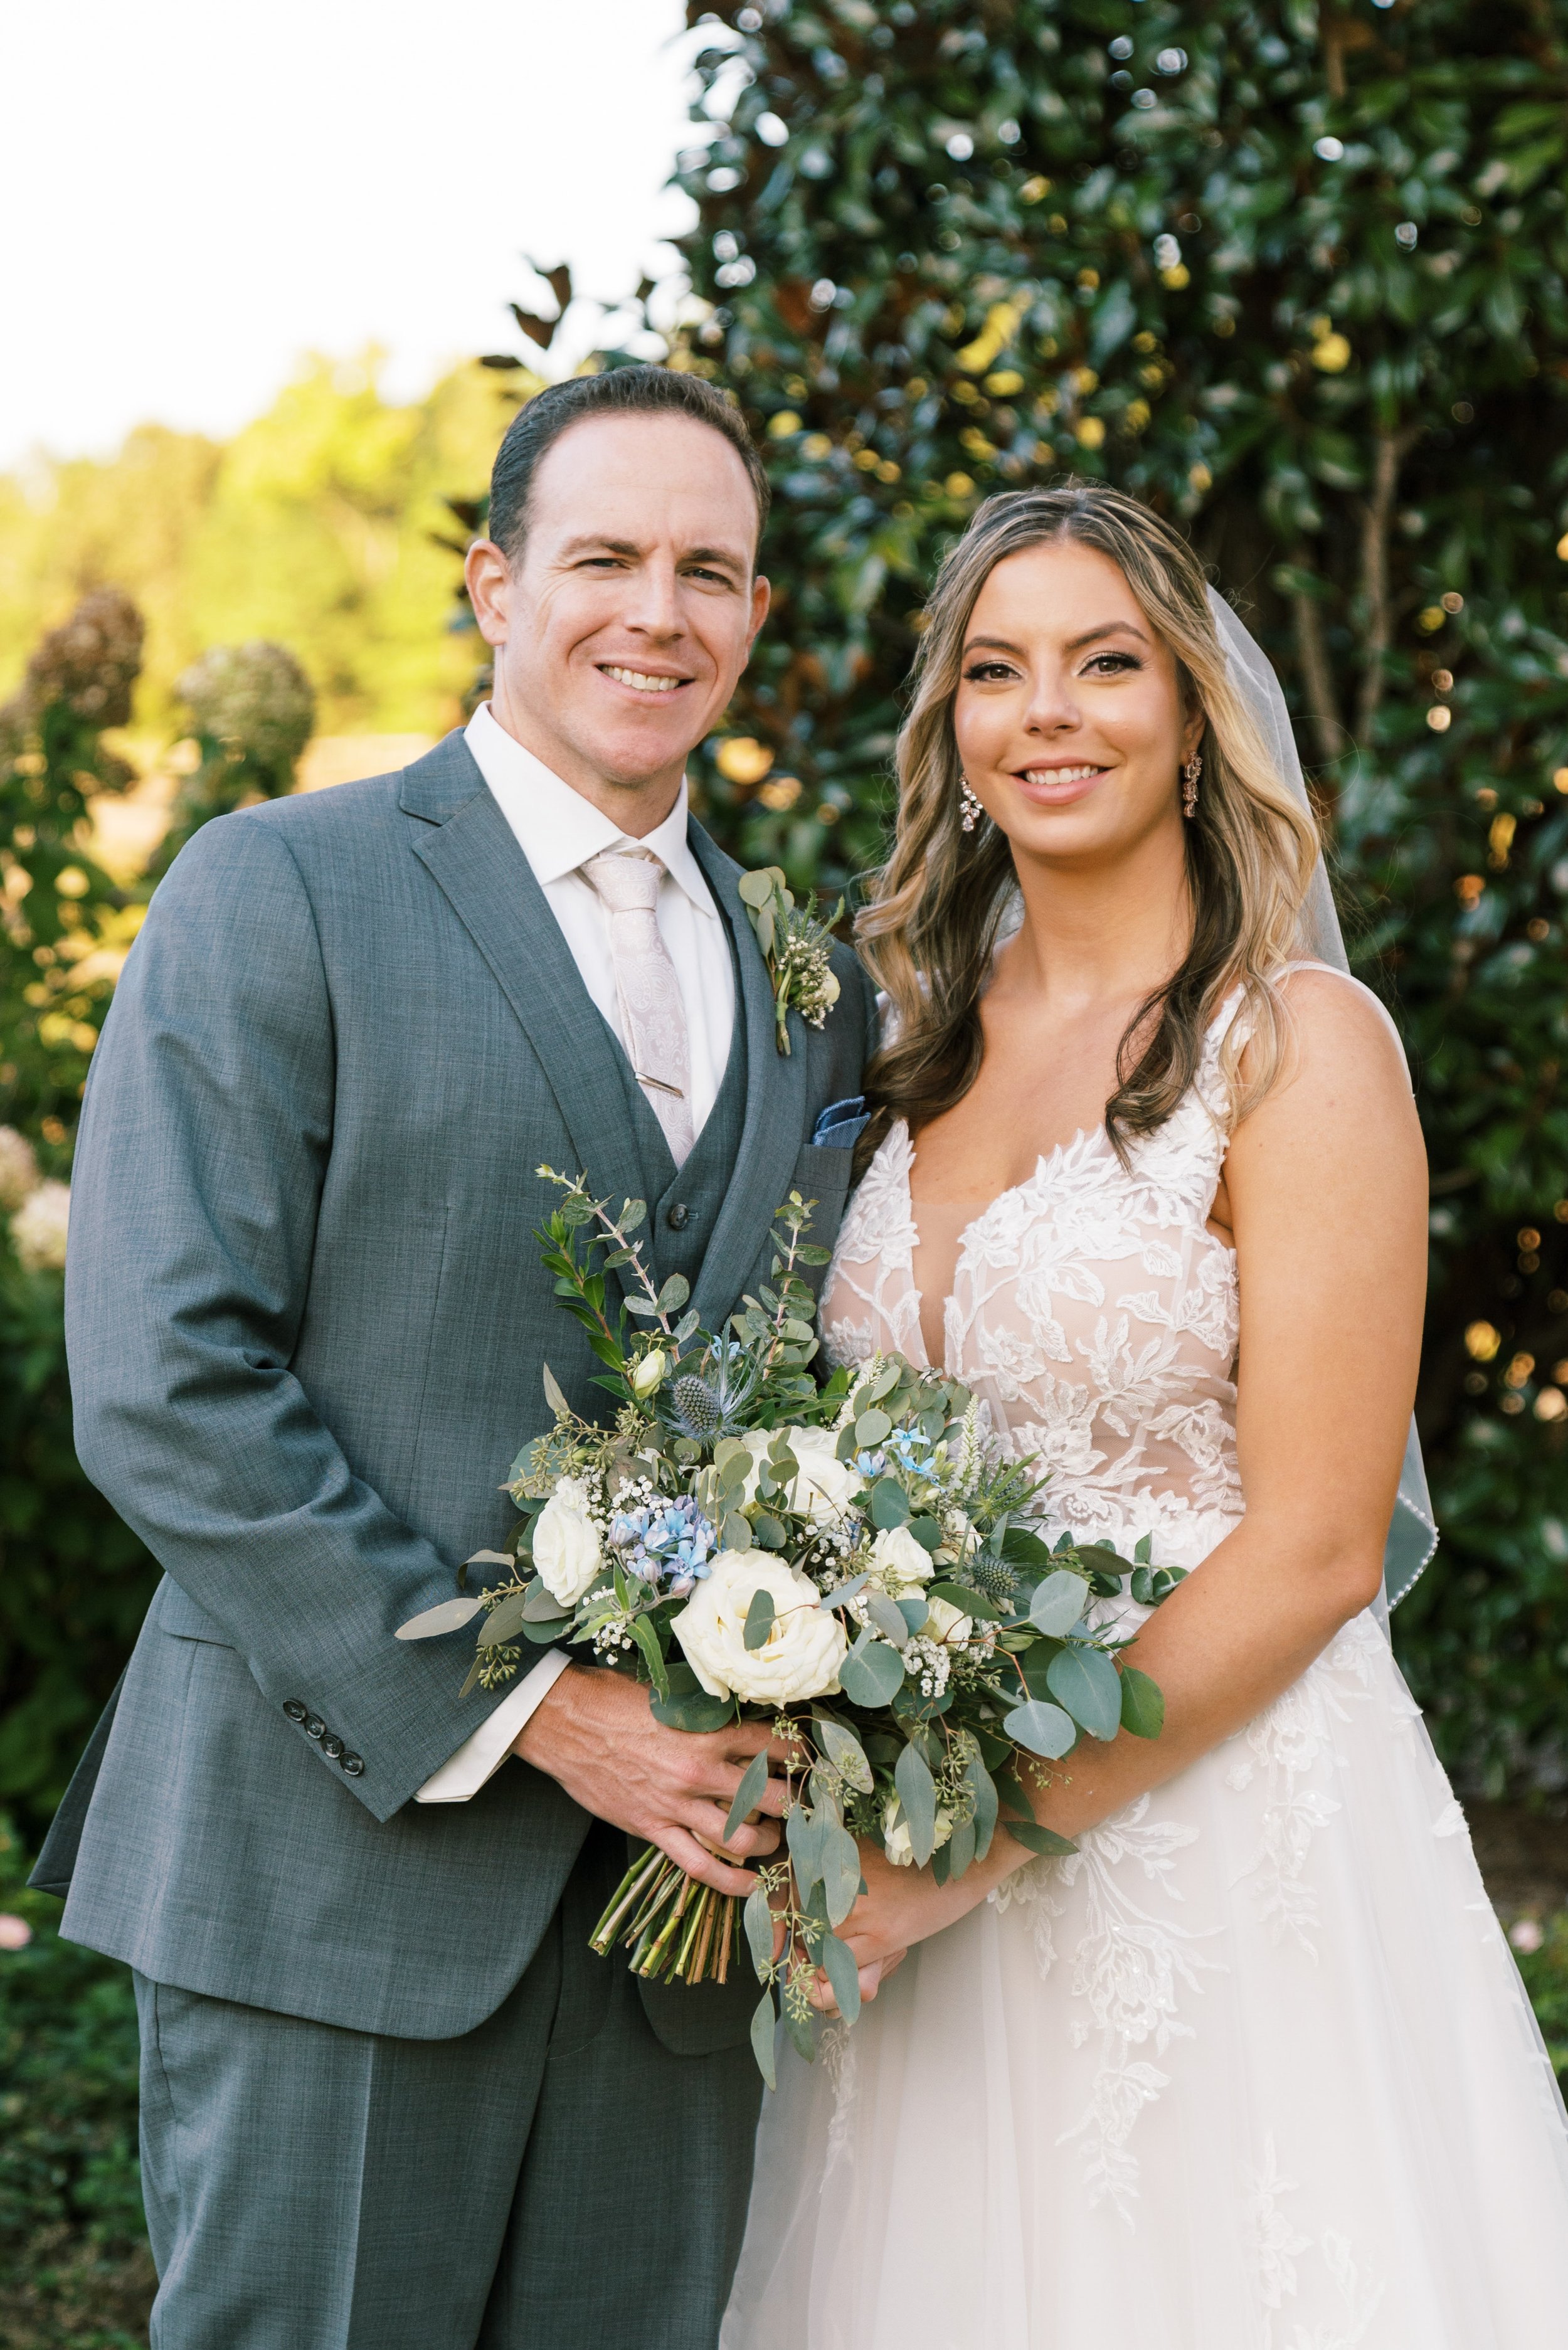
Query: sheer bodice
x=1091 y=1310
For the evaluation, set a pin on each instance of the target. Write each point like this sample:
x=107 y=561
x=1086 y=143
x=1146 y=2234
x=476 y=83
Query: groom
x=389 y=2097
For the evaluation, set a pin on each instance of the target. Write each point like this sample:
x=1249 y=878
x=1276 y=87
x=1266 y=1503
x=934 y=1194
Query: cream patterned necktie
x=652 y=1014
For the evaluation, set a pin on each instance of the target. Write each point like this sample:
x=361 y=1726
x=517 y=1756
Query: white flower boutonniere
x=796 y=948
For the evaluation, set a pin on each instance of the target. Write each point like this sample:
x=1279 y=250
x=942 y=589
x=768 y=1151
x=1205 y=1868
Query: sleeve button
x=332 y=1745
x=353 y=1766
x=295 y=1711
x=315 y=1727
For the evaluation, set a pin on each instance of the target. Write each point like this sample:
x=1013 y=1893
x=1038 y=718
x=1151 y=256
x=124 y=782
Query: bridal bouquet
x=850 y=1563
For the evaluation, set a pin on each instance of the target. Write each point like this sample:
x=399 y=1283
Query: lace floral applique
x=1290 y=1739
x=1276 y=2247
x=840 y=2060
x=1129 y=1967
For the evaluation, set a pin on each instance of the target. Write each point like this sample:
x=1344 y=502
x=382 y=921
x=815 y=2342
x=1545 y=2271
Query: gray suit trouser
x=528 y=2186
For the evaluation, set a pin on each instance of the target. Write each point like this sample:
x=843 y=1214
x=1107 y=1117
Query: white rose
x=896 y=1833
x=650 y=1373
x=799 y=1659
x=567 y=1550
x=825 y=1486
x=945 y=1622
x=900 y=1562
x=39 y=1228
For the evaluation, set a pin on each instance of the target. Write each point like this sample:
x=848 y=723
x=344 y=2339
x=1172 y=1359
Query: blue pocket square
x=841 y=1125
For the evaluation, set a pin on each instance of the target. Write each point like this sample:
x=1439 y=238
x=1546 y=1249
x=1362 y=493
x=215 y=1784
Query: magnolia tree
x=1296 y=274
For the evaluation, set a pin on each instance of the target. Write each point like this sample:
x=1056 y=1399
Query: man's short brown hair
x=619 y=391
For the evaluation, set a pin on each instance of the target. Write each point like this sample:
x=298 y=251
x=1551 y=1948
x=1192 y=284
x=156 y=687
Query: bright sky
x=193 y=195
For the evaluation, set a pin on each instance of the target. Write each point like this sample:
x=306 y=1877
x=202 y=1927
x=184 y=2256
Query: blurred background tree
x=1296 y=274
x=311 y=527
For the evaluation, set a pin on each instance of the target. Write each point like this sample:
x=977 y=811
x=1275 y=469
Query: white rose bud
x=799 y=1659
x=567 y=1551
x=943 y=1622
x=896 y=1833
x=649 y=1374
x=901 y=1563
x=827 y=989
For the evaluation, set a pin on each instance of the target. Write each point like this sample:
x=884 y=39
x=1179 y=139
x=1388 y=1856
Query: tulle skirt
x=1254 y=2070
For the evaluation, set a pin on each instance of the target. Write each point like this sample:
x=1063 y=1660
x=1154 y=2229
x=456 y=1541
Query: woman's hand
x=901 y=1907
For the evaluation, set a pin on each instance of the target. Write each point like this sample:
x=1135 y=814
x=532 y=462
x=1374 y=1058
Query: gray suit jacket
x=307 y=1321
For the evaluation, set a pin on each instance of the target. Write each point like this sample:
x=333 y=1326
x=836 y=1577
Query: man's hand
x=595 y=1733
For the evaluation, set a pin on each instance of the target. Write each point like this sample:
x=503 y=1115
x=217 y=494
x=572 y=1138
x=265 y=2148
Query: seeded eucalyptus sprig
x=796 y=948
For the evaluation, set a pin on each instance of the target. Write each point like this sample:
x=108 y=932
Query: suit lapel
x=469 y=849
x=775 y=1104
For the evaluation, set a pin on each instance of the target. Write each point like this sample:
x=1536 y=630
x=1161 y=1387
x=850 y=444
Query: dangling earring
x=1190 y=775
x=972 y=810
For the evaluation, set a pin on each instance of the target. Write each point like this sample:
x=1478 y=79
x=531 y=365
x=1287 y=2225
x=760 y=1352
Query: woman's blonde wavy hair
x=928 y=927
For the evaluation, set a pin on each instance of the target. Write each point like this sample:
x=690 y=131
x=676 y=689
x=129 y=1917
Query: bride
x=1252 y=2069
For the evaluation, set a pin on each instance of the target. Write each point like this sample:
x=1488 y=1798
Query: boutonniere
x=796 y=948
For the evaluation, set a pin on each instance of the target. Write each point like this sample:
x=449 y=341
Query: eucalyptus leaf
x=845 y=1753
x=450 y=1615
x=748 y=1794
x=961 y=1848
x=927 y=1531
x=1039 y=1839
x=760 y=1619
x=841 y=1880
x=757 y=1918
x=871 y=1427
x=769 y=1531
x=837 y=1961
x=1085 y=1682
x=802 y=2031
x=555 y=1394
x=763 y=2027
x=844 y=1593
x=871 y=1672
x=1043 y=1728
x=736 y=1532
x=917 y=1793
x=985 y=1805
x=504 y=1621
x=888 y=1504
x=697 y=1713
x=888 y=1618
x=804 y=1835
x=674 y=1294
x=1058 y=1604
x=755 y=889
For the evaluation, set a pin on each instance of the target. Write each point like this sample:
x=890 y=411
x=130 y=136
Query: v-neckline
x=1046 y=1159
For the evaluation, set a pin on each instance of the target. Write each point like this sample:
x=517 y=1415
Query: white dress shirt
x=557 y=831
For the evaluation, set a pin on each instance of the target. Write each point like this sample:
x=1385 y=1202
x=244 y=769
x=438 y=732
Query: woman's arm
x=1327 y=1187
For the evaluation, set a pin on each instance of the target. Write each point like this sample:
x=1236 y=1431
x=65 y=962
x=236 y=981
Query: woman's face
x=1068 y=715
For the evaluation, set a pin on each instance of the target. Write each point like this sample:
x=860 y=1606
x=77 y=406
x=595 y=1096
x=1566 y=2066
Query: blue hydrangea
x=663 y=1539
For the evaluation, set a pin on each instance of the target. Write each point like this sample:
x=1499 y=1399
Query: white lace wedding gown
x=1255 y=2069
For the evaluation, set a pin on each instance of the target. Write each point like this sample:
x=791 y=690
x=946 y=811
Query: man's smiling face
x=623 y=626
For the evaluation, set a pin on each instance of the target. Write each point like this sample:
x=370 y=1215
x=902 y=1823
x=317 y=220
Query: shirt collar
x=557 y=829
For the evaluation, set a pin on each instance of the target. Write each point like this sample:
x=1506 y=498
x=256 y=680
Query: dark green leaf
x=1143 y=1703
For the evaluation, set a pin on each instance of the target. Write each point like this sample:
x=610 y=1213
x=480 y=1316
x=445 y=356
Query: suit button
x=295 y=1711
x=677 y=1215
x=353 y=1766
x=315 y=1727
x=332 y=1745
